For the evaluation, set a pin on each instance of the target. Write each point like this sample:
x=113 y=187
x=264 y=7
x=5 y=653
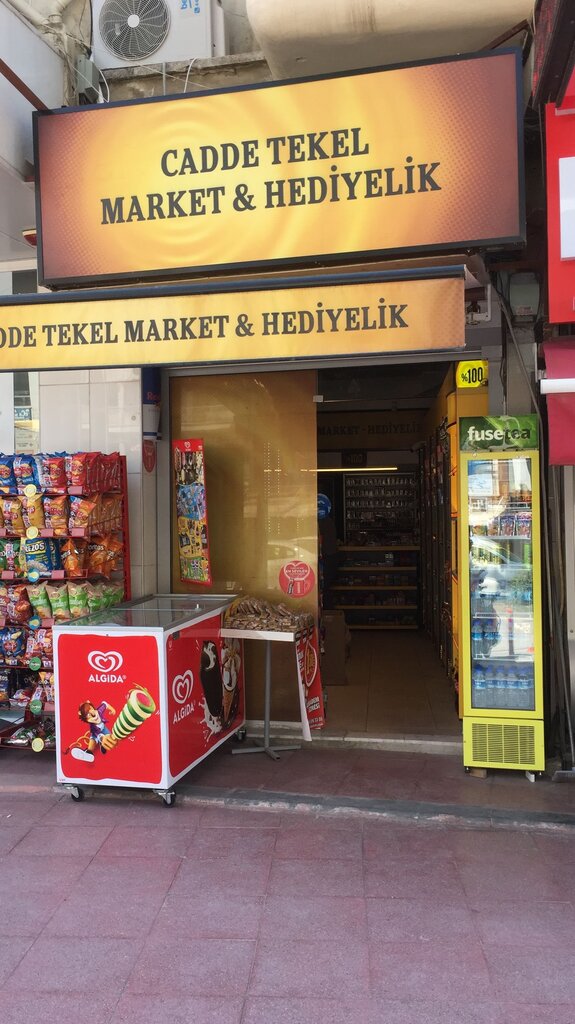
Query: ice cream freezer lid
x=159 y=611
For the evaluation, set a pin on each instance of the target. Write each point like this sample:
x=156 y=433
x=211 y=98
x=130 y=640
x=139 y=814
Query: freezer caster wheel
x=76 y=793
x=240 y=735
x=169 y=799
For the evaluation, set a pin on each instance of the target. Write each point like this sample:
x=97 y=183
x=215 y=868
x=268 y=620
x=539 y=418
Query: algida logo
x=105 y=667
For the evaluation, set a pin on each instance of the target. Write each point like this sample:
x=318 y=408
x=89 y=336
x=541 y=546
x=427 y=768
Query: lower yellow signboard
x=349 y=315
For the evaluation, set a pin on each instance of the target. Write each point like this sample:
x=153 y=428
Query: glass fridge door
x=501 y=584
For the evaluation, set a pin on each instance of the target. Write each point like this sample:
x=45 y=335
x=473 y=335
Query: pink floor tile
x=472 y=1011
x=431 y=971
x=120 y=874
x=511 y=879
x=318 y=842
x=23 y=810
x=316 y=878
x=209 y=916
x=121 y=915
x=311 y=969
x=78 y=965
x=61 y=1007
x=11 y=836
x=42 y=840
x=537 y=924
x=326 y=919
x=413 y=878
x=264 y=1010
x=538 y=1013
x=404 y=920
x=119 y=810
x=200 y=967
x=12 y=951
x=546 y=976
x=28 y=874
x=183 y=1010
x=149 y=841
x=29 y=916
x=222 y=875
x=232 y=842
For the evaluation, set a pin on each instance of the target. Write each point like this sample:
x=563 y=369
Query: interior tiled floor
x=396 y=685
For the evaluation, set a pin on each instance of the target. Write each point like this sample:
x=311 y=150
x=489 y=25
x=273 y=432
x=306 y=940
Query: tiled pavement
x=122 y=911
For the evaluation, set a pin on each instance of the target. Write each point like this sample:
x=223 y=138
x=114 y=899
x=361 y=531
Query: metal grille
x=503 y=744
x=134 y=29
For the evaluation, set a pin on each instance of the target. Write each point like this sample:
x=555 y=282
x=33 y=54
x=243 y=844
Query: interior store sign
x=345 y=316
x=353 y=165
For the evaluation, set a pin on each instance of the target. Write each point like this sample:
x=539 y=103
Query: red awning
x=560 y=364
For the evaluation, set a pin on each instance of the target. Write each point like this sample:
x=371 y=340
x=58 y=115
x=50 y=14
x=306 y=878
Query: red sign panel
x=108 y=708
x=309 y=678
x=560 y=136
x=205 y=692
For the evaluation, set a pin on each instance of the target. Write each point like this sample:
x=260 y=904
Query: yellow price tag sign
x=472 y=374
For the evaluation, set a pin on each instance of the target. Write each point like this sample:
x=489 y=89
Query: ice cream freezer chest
x=144 y=692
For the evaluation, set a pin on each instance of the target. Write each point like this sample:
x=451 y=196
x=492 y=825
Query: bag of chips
x=12 y=515
x=12 y=643
x=38 y=597
x=81 y=510
x=38 y=556
x=78 y=600
x=25 y=471
x=18 y=607
x=4 y=686
x=73 y=553
x=55 y=473
x=9 y=555
x=58 y=597
x=95 y=597
x=33 y=510
x=98 y=557
x=57 y=513
x=7 y=478
x=76 y=469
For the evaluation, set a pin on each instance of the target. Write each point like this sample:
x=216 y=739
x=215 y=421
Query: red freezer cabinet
x=144 y=692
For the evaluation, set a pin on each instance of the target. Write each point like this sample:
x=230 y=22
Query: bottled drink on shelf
x=476 y=637
x=479 y=687
x=500 y=688
x=513 y=695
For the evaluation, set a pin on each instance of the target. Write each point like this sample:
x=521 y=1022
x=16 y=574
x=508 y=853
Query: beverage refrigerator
x=500 y=574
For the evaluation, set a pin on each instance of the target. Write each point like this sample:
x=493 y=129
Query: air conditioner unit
x=129 y=33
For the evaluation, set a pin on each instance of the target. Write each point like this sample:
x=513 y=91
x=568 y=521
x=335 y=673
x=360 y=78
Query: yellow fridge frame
x=493 y=738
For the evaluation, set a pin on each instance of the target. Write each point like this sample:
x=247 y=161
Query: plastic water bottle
x=513 y=690
x=525 y=690
x=479 y=689
x=476 y=638
x=499 y=688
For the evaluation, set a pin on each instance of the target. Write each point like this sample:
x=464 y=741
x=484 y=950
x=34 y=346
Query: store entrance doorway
x=387 y=514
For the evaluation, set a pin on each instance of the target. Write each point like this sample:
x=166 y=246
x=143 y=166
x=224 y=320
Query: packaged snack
x=18 y=607
x=25 y=471
x=23 y=736
x=93 y=471
x=39 y=645
x=95 y=594
x=12 y=643
x=33 y=510
x=78 y=600
x=81 y=510
x=55 y=473
x=98 y=557
x=524 y=524
x=76 y=469
x=73 y=553
x=9 y=555
x=57 y=513
x=109 y=594
x=55 y=556
x=38 y=597
x=3 y=600
x=115 y=550
x=1 y=517
x=4 y=686
x=507 y=525
x=12 y=515
x=58 y=597
x=7 y=478
x=111 y=513
x=38 y=556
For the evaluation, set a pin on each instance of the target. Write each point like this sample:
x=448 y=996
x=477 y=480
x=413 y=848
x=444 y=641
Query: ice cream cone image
x=231 y=662
x=138 y=707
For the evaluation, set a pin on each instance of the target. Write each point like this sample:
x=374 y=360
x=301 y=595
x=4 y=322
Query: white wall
x=101 y=410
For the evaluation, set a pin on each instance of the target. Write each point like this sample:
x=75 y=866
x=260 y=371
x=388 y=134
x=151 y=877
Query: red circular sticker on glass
x=296 y=579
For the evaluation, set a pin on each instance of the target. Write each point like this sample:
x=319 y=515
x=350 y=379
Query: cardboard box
x=334 y=654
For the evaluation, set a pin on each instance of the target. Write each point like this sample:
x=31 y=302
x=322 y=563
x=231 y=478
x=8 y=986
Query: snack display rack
x=64 y=552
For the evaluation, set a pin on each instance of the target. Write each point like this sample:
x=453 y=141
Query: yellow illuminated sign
x=357 y=164
x=472 y=374
x=192 y=325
